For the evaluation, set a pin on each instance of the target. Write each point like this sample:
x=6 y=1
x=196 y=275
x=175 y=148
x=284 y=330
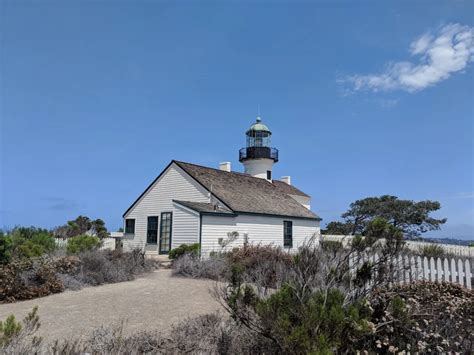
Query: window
x=288 y=234
x=130 y=226
x=165 y=232
x=269 y=174
x=152 y=230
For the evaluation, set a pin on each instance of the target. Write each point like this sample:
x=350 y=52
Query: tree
x=5 y=248
x=412 y=217
x=338 y=228
x=98 y=228
x=80 y=226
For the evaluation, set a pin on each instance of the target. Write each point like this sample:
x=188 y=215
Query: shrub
x=82 y=243
x=98 y=267
x=6 y=245
x=9 y=329
x=27 y=232
x=332 y=246
x=263 y=265
x=184 y=249
x=188 y=265
x=37 y=277
x=20 y=338
x=251 y=255
x=317 y=302
x=22 y=242
x=214 y=334
x=28 y=278
x=37 y=245
x=432 y=250
x=299 y=320
x=422 y=317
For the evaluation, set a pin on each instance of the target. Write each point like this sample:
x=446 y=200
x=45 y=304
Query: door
x=165 y=232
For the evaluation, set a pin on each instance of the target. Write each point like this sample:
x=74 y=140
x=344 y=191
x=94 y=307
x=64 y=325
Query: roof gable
x=172 y=188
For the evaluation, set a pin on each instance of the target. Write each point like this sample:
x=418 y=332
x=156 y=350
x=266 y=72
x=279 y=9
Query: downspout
x=200 y=235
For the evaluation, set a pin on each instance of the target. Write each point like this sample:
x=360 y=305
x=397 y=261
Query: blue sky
x=363 y=100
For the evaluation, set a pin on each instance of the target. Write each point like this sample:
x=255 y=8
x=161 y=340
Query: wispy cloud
x=60 y=204
x=463 y=195
x=438 y=56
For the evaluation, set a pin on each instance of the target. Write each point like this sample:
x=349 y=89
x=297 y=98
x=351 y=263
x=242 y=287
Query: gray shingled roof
x=288 y=189
x=204 y=207
x=243 y=193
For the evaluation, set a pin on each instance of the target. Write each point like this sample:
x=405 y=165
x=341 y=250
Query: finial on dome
x=259 y=119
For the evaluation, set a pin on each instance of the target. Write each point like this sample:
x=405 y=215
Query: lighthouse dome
x=258 y=126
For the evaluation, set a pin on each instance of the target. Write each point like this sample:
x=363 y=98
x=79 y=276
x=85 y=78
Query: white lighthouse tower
x=258 y=156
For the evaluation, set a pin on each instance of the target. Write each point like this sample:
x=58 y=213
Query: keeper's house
x=188 y=203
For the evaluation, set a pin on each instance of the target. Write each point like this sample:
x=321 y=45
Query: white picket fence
x=416 y=268
x=457 y=250
x=107 y=243
x=457 y=267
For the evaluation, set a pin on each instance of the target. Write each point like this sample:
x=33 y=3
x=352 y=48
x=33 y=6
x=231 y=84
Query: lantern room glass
x=258 y=139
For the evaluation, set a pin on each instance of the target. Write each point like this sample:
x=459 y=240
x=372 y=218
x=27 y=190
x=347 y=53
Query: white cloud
x=463 y=195
x=439 y=55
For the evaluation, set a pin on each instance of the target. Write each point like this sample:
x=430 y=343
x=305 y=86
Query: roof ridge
x=223 y=171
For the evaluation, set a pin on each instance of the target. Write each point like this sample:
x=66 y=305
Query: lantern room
x=258 y=156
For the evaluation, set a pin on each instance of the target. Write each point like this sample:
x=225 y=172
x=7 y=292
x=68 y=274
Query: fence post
x=432 y=270
x=454 y=273
x=468 y=274
x=426 y=269
x=446 y=272
x=460 y=272
x=439 y=270
x=406 y=269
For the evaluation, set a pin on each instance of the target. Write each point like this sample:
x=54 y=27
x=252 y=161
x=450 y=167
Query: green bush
x=25 y=242
x=9 y=329
x=82 y=243
x=20 y=338
x=6 y=246
x=318 y=323
x=433 y=250
x=184 y=249
x=37 y=245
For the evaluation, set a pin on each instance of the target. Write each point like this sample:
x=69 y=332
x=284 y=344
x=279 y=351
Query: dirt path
x=154 y=301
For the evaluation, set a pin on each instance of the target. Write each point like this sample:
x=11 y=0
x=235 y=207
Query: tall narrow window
x=129 y=226
x=288 y=234
x=152 y=230
x=165 y=232
x=269 y=174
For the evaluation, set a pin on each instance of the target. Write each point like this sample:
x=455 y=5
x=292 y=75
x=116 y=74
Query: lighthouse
x=258 y=156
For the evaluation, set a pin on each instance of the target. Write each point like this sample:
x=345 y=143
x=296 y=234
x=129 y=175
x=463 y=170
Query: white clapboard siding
x=259 y=229
x=452 y=269
x=185 y=226
x=174 y=184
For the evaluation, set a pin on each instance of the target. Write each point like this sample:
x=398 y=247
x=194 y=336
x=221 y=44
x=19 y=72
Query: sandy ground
x=153 y=301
